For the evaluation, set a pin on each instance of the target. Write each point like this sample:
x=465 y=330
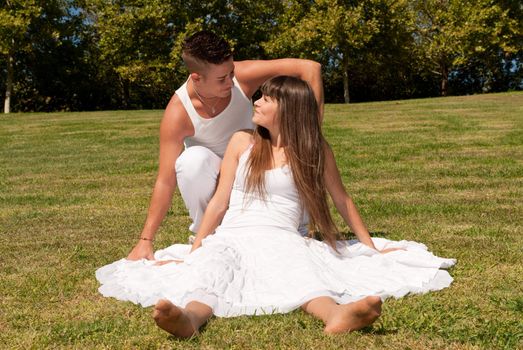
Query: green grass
x=448 y=172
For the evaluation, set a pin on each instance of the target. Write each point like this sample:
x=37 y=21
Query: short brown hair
x=205 y=47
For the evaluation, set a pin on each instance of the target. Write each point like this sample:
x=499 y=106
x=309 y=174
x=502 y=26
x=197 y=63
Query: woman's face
x=265 y=112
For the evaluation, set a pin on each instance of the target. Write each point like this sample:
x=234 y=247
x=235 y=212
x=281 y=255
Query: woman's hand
x=165 y=262
x=388 y=250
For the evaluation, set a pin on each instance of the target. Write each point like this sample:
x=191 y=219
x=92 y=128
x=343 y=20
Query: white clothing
x=198 y=166
x=197 y=170
x=258 y=263
x=215 y=133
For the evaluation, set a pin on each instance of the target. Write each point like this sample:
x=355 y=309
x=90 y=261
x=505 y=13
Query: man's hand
x=142 y=250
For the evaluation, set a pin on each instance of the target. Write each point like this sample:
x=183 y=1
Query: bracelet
x=146 y=239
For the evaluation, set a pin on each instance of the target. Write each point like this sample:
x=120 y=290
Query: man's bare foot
x=354 y=316
x=173 y=319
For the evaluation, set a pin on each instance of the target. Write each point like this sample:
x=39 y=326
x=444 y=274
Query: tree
x=387 y=66
x=139 y=41
x=454 y=33
x=367 y=48
x=134 y=40
x=99 y=54
x=331 y=31
x=15 y=18
x=246 y=24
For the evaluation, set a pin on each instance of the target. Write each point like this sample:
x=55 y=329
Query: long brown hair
x=300 y=130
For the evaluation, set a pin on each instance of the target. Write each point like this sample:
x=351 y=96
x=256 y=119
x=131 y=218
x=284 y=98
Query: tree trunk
x=444 y=80
x=125 y=93
x=346 y=96
x=9 y=84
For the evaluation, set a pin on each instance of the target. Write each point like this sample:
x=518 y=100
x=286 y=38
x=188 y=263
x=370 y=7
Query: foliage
x=15 y=18
x=139 y=41
x=328 y=30
x=387 y=66
x=457 y=34
x=134 y=41
x=99 y=54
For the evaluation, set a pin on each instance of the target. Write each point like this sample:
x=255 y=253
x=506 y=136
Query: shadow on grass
x=195 y=339
x=373 y=330
x=348 y=235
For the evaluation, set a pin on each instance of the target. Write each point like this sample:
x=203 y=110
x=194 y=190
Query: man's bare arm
x=252 y=74
x=175 y=126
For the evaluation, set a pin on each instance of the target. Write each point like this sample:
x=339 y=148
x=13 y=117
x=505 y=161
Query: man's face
x=217 y=79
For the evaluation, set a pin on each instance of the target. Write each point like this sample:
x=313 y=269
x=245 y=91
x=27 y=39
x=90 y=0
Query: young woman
x=256 y=262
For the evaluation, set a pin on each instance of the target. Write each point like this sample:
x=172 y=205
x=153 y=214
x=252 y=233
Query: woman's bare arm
x=220 y=201
x=343 y=201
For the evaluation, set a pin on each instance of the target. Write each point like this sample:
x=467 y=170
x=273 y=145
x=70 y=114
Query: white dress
x=258 y=263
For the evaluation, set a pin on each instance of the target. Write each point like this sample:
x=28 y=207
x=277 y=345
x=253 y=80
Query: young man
x=214 y=102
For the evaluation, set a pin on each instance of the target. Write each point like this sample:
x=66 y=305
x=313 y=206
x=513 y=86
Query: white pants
x=197 y=170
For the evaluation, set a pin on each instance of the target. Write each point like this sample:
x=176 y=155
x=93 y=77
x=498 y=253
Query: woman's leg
x=345 y=317
x=181 y=322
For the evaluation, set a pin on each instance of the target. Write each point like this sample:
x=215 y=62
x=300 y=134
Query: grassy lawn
x=448 y=172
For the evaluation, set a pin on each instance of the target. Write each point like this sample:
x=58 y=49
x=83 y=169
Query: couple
x=249 y=257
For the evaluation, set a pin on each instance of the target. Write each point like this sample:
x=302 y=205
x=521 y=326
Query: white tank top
x=215 y=133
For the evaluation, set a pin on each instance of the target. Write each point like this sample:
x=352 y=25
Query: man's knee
x=197 y=161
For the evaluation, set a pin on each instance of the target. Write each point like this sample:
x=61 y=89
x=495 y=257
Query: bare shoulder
x=242 y=137
x=176 y=121
x=240 y=141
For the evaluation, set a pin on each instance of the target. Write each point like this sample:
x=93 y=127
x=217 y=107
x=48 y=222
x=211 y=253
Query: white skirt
x=274 y=271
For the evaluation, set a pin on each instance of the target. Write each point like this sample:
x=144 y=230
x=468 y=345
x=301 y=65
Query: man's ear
x=196 y=77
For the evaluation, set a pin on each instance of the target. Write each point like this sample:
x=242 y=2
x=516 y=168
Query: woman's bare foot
x=354 y=316
x=173 y=319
